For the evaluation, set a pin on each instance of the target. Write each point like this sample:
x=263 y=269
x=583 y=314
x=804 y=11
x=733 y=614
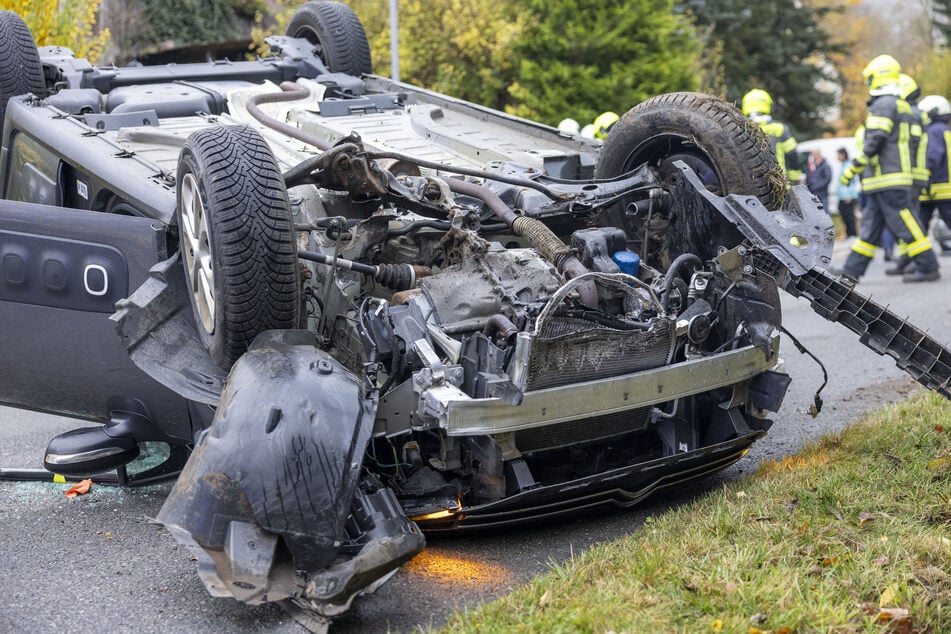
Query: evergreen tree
x=941 y=10
x=578 y=58
x=777 y=45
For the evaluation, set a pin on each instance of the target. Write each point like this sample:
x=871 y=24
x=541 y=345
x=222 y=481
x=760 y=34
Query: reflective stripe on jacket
x=886 y=151
x=784 y=145
x=939 y=140
x=918 y=146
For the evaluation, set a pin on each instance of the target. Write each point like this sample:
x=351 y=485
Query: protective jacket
x=784 y=145
x=918 y=147
x=886 y=153
x=939 y=140
x=818 y=179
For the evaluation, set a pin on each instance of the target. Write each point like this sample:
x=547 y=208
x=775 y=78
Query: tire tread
x=20 y=69
x=346 y=48
x=252 y=236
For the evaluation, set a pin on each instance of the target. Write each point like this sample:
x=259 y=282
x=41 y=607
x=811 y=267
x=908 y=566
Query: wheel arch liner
x=283 y=453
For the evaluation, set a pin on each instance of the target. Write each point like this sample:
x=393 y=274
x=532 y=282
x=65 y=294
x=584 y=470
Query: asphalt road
x=95 y=563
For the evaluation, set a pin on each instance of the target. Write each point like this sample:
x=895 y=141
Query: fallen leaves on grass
x=887 y=597
x=898 y=619
x=80 y=488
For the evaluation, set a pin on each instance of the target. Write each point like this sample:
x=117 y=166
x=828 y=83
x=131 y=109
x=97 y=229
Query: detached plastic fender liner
x=284 y=452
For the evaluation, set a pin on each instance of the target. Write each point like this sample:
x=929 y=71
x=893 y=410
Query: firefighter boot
x=901 y=266
x=921 y=276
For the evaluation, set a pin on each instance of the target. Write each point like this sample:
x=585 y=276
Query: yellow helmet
x=757 y=100
x=603 y=124
x=881 y=71
x=908 y=86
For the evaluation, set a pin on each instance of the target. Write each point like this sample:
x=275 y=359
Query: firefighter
x=758 y=106
x=917 y=146
x=937 y=111
x=885 y=166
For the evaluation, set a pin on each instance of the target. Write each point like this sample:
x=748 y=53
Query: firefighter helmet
x=757 y=101
x=569 y=126
x=909 y=87
x=603 y=124
x=934 y=106
x=881 y=71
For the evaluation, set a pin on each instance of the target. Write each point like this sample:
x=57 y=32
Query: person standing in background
x=938 y=197
x=818 y=177
x=847 y=193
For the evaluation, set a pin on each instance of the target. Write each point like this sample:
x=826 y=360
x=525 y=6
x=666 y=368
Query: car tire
x=237 y=239
x=20 y=69
x=337 y=34
x=730 y=154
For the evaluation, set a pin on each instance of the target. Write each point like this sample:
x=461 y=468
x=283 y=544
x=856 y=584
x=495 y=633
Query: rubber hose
x=289 y=92
x=486 y=195
x=673 y=269
x=553 y=249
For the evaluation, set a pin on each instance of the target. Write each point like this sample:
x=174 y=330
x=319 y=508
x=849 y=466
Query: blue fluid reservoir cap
x=628 y=261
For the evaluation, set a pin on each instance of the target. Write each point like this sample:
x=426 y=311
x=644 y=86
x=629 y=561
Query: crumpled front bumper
x=461 y=415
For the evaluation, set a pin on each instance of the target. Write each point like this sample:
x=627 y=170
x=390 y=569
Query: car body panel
x=62 y=271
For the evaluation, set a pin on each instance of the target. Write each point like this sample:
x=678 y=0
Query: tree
x=542 y=59
x=69 y=23
x=582 y=57
x=459 y=47
x=779 y=46
x=941 y=18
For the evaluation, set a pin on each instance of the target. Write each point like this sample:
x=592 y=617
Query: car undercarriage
x=357 y=311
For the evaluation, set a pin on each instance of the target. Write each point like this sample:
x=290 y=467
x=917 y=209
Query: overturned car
x=356 y=311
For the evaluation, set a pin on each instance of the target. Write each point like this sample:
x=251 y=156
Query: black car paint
x=53 y=262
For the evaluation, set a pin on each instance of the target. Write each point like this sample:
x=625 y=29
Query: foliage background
x=70 y=23
x=550 y=59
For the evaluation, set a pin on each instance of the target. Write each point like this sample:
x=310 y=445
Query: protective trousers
x=890 y=208
x=943 y=207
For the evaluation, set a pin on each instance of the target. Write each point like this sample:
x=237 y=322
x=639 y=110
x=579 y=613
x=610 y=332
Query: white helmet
x=934 y=105
x=588 y=131
x=570 y=126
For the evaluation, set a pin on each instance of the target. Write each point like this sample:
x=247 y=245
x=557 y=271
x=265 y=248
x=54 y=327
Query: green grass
x=818 y=542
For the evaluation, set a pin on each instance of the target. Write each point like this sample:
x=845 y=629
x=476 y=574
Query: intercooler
x=568 y=349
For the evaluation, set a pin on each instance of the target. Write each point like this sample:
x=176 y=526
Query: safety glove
x=854 y=169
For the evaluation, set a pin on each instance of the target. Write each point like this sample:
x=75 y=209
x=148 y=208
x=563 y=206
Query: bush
x=69 y=23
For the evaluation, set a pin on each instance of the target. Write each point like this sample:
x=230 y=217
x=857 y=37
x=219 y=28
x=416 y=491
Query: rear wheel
x=20 y=68
x=237 y=240
x=337 y=35
x=728 y=152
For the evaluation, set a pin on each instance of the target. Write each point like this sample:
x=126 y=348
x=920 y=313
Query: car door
x=61 y=272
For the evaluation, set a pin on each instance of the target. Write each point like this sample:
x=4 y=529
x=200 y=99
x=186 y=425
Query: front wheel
x=237 y=240
x=728 y=152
